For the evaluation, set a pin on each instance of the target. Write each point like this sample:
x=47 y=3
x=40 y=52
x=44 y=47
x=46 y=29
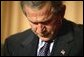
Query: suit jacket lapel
x=62 y=46
x=63 y=41
x=30 y=45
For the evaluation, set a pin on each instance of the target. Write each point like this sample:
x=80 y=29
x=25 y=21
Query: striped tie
x=44 y=51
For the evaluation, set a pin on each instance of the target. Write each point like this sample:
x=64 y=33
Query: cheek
x=50 y=28
x=33 y=27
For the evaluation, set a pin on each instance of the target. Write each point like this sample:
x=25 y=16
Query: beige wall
x=13 y=20
x=74 y=11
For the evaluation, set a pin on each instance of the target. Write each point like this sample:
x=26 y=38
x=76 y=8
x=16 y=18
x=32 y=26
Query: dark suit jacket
x=69 y=40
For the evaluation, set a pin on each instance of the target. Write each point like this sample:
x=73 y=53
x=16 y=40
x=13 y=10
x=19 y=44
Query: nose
x=40 y=26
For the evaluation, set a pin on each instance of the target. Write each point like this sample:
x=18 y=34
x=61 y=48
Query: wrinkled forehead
x=39 y=20
x=39 y=15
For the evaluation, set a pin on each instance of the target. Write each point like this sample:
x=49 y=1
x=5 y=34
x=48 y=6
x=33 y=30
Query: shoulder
x=13 y=44
x=76 y=27
x=77 y=37
x=77 y=31
x=18 y=38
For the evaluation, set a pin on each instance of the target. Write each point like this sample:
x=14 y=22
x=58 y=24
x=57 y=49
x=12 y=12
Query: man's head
x=44 y=16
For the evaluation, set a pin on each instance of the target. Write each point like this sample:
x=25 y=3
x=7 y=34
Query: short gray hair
x=39 y=4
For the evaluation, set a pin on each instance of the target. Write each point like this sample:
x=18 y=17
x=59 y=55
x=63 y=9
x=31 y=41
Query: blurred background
x=13 y=20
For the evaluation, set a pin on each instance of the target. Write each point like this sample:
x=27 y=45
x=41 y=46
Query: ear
x=61 y=12
x=63 y=8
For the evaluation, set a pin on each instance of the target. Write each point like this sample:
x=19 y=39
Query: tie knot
x=47 y=44
x=44 y=51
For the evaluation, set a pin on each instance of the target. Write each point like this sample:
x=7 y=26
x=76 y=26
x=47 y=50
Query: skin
x=43 y=21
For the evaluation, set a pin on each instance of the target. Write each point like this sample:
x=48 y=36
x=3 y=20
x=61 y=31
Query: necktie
x=44 y=51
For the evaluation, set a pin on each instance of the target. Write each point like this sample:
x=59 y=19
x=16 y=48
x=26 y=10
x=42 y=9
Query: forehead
x=38 y=19
x=41 y=15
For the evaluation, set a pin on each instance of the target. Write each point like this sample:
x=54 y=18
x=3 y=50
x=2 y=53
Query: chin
x=45 y=39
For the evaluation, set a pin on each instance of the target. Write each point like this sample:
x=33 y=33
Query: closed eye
x=44 y=23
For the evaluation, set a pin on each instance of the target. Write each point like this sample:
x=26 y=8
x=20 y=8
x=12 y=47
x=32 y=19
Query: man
x=63 y=38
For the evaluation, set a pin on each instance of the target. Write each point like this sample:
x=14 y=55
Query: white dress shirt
x=41 y=44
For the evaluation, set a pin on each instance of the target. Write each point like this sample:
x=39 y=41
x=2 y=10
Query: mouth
x=44 y=34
